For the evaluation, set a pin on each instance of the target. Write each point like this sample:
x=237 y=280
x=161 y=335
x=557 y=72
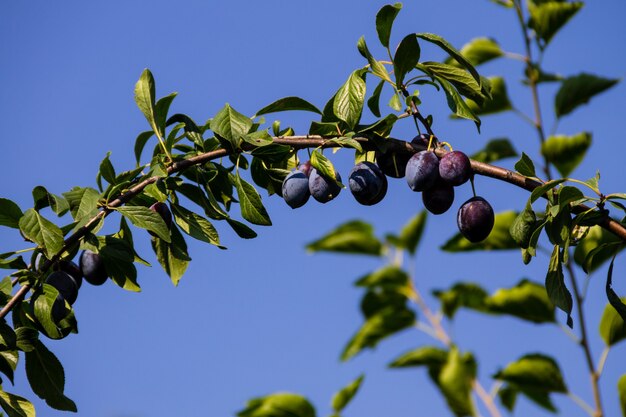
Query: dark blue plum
x=93 y=268
x=422 y=171
x=58 y=309
x=367 y=183
x=65 y=285
x=455 y=168
x=296 y=189
x=438 y=198
x=323 y=189
x=72 y=269
x=475 y=219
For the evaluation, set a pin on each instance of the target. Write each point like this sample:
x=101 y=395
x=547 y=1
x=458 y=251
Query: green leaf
x=373 y=103
x=523 y=226
x=343 y=397
x=349 y=100
x=172 y=256
x=384 y=22
x=430 y=356
x=8 y=363
x=478 y=51
x=83 y=202
x=147 y=219
x=324 y=129
x=456 y=103
x=543 y=189
x=231 y=125
x=41 y=231
x=46 y=377
x=42 y=198
x=595 y=249
x=323 y=165
x=462 y=294
x=498 y=102
x=411 y=233
x=195 y=225
x=16 y=406
x=406 y=57
x=534 y=372
x=455 y=381
x=252 y=208
x=443 y=44
x=42 y=302
x=548 y=17
x=578 y=90
x=376 y=66
x=241 y=229
x=352 y=237
x=387 y=277
x=465 y=84
x=380 y=325
x=161 y=109
x=527 y=301
x=612 y=326
x=498 y=239
x=287 y=104
x=566 y=152
x=555 y=285
x=282 y=404
x=273 y=153
x=140 y=143
x=10 y=213
x=621 y=389
x=617 y=304
x=395 y=102
x=346 y=143
x=525 y=166
x=145 y=96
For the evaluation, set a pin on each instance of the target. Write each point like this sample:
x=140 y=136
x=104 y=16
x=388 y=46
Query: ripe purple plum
x=93 y=268
x=296 y=189
x=422 y=171
x=475 y=219
x=367 y=183
x=455 y=168
x=64 y=284
x=164 y=211
x=392 y=164
x=438 y=198
x=322 y=188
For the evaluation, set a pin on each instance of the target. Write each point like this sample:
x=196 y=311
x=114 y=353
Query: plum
x=322 y=188
x=455 y=168
x=65 y=285
x=72 y=269
x=438 y=198
x=296 y=189
x=423 y=140
x=475 y=219
x=422 y=171
x=58 y=309
x=392 y=164
x=93 y=268
x=367 y=183
x=306 y=168
x=164 y=211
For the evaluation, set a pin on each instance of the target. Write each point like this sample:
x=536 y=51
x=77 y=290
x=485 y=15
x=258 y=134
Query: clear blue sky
x=264 y=316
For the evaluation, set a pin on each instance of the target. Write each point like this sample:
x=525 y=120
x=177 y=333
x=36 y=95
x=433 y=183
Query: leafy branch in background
x=196 y=174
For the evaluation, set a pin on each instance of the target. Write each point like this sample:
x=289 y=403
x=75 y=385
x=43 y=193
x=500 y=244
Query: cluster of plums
x=67 y=278
x=425 y=172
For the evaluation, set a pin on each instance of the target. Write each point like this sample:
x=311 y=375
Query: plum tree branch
x=298 y=142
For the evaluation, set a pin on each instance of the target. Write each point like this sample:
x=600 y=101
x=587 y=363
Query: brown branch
x=298 y=142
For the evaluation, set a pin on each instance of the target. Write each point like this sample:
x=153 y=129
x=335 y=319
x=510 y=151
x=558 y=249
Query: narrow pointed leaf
x=525 y=166
x=373 y=103
x=252 y=208
x=343 y=397
x=281 y=404
x=498 y=102
x=287 y=104
x=375 y=66
x=195 y=225
x=161 y=109
x=173 y=255
x=231 y=125
x=555 y=285
x=452 y=51
x=456 y=103
x=527 y=301
x=478 y=51
x=145 y=96
x=411 y=233
x=455 y=381
x=429 y=356
x=547 y=18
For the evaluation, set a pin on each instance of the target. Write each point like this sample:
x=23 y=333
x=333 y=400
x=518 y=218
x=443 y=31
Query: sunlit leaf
x=343 y=397
x=349 y=100
x=566 y=152
x=384 y=21
x=352 y=237
x=495 y=150
x=612 y=326
x=548 y=17
x=578 y=90
x=282 y=404
x=478 y=51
